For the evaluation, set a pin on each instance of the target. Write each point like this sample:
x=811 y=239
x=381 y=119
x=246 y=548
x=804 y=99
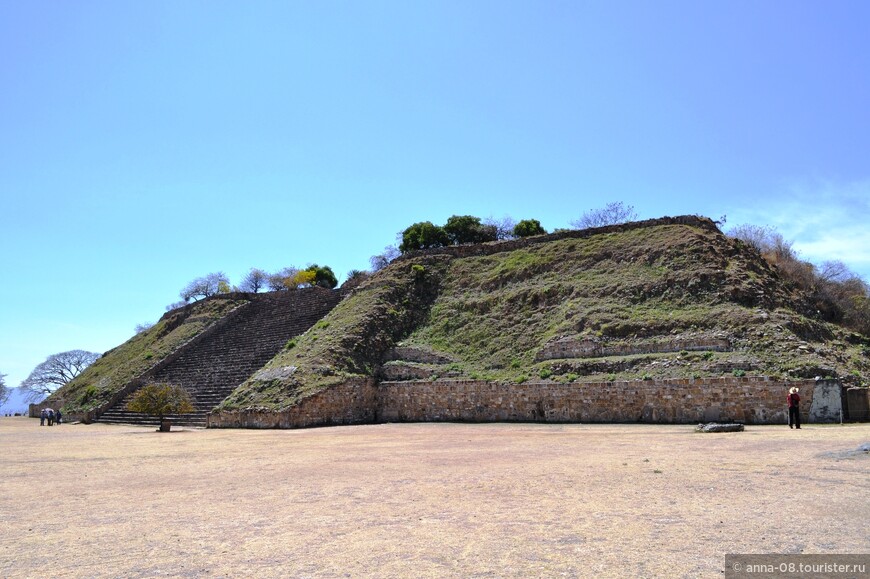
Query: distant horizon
x=17 y=402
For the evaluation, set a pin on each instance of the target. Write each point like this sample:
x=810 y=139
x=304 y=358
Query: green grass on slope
x=350 y=341
x=498 y=310
x=492 y=312
x=495 y=312
x=108 y=375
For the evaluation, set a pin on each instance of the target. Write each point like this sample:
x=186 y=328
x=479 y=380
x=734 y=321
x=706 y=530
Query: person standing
x=794 y=408
x=42 y=416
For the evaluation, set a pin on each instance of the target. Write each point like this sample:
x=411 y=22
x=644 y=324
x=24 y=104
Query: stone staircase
x=213 y=367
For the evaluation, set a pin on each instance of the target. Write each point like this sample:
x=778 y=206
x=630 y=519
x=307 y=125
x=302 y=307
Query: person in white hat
x=794 y=408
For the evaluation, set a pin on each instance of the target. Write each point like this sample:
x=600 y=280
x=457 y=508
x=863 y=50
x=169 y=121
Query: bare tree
x=254 y=280
x=143 y=327
x=835 y=271
x=758 y=236
x=4 y=390
x=504 y=227
x=203 y=287
x=613 y=213
x=382 y=260
x=282 y=280
x=56 y=371
x=175 y=306
x=765 y=239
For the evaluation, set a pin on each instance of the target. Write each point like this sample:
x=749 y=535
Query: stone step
x=215 y=366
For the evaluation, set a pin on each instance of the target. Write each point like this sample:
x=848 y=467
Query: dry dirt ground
x=423 y=500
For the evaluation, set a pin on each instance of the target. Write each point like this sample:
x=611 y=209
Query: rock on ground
x=715 y=427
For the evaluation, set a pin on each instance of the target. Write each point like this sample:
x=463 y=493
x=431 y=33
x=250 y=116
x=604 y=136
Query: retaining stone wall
x=352 y=402
x=749 y=400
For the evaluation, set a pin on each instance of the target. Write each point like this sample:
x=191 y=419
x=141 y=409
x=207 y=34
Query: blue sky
x=143 y=144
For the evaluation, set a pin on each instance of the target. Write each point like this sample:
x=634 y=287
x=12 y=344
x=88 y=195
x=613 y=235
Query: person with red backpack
x=794 y=408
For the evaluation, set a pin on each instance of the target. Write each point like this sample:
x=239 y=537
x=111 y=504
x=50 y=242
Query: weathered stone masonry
x=746 y=399
x=352 y=402
x=749 y=400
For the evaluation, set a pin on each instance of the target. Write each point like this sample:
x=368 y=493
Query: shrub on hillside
x=423 y=235
x=323 y=276
x=836 y=293
x=529 y=227
x=459 y=230
x=462 y=229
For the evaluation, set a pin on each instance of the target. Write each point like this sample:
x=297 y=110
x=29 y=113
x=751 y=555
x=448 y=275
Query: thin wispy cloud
x=826 y=220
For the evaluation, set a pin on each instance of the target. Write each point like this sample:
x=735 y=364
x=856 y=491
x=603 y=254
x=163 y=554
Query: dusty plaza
x=424 y=500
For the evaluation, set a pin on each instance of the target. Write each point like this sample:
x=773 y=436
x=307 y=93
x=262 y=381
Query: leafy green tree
x=323 y=276
x=423 y=235
x=529 y=227
x=468 y=229
x=161 y=399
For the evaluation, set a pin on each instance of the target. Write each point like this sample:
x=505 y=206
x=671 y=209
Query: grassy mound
x=655 y=294
x=675 y=285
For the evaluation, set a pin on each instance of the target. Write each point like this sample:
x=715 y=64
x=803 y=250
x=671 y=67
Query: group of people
x=49 y=415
